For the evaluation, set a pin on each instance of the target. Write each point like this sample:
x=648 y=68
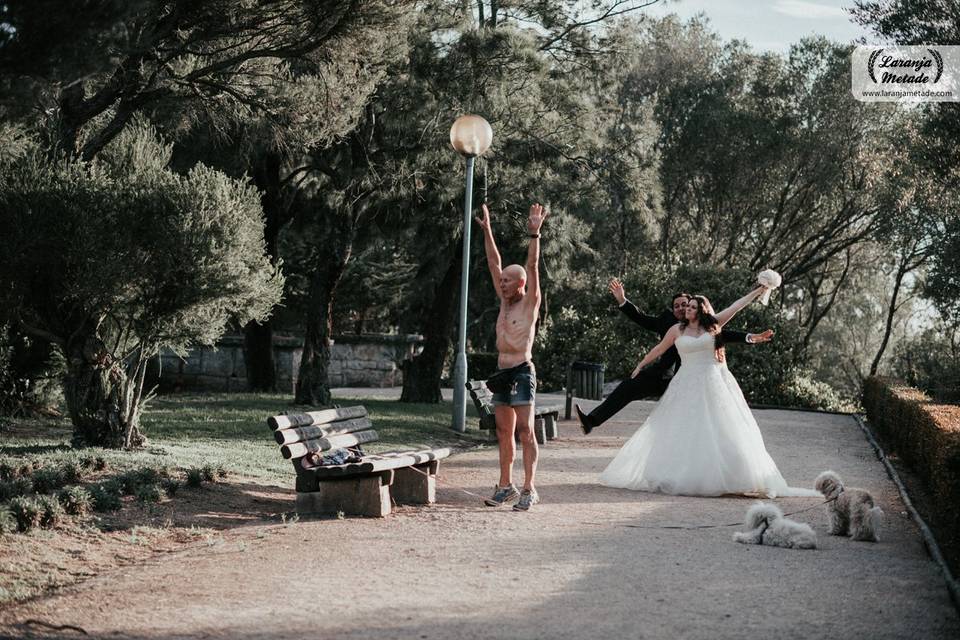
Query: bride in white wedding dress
x=701 y=439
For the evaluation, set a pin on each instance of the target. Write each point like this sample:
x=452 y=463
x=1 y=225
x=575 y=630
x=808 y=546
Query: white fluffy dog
x=852 y=512
x=767 y=526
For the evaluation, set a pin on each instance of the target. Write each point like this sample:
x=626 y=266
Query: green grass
x=186 y=433
x=229 y=429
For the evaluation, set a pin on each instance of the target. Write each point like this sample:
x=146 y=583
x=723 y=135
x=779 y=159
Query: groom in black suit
x=652 y=381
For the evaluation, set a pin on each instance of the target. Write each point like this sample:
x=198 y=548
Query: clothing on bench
x=338 y=456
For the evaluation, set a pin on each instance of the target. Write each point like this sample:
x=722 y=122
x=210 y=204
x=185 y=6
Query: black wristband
x=532 y=235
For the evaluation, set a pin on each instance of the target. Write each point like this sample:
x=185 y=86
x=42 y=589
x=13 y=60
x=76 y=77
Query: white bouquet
x=771 y=280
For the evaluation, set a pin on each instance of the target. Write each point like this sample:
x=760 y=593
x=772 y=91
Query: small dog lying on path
x=767 y=526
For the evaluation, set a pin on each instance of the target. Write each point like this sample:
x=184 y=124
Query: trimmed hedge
x=926 y=437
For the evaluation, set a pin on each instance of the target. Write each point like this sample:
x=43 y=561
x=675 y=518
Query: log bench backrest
x=318 y=431
x=479 y=389
x=483 y=401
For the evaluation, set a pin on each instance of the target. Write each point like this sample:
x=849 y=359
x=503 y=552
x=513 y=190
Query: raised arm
x=538 y=214
x=658 y=350
x=490 y=246
x=724 y=316
x=629 y=309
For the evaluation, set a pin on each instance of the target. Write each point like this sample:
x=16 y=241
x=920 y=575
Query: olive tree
x=114 y=259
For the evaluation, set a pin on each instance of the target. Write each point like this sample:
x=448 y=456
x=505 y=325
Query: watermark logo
x=929 y=73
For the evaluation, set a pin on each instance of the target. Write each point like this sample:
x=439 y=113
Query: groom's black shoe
x=586 y=425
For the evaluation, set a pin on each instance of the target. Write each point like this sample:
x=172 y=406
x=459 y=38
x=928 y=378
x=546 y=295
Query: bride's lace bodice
x=697 y=350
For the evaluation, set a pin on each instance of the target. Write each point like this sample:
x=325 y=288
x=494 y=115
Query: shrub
x=588 y=335
x=194 y=477
x=72 y=473
x=106 y=495
x=171 y=486
x=14 y=488
x=926 y=437
x=131 y=481
x=24 y=485
x=52 y=511
x=801 y=390
x=481 y=365
x=150 y=492
x=8 y=469
x=178 y=256
x=76 y=501
x=48 y=479
x=29 y=373
x=8 y=522
x=27 y=512
x=6 y=490
x=96 y=463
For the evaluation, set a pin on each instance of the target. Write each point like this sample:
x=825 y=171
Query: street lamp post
x=471 y=136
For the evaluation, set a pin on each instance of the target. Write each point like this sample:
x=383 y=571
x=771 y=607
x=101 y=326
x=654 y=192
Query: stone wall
x=368 y=360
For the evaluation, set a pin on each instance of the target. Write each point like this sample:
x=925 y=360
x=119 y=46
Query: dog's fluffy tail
x=760 y=512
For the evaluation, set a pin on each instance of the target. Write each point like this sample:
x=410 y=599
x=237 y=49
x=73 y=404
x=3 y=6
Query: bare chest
x=514 y=317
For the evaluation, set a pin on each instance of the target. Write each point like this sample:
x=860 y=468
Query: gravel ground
x=570 y=568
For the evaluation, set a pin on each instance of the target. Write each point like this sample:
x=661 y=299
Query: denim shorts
x=523 y=389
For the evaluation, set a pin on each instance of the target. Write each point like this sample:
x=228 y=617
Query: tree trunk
x=422 y=374
x=103 y=397
x=69 y=121
x=902 y=270
x=817 y=313
x=313 y=386
x=258 y=356
x=258 y=336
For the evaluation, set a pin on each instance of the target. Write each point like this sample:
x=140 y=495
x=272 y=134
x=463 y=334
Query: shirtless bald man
x=519 y=291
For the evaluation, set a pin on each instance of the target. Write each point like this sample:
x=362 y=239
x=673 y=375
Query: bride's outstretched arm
x=658 y=350
x=724 y=316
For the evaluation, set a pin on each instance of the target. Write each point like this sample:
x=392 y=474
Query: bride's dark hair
x=709 y=322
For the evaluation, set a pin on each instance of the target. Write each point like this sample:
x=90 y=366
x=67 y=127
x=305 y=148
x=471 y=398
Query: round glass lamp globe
x=471 y=135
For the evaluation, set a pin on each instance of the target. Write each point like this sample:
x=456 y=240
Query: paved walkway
x=568 y=569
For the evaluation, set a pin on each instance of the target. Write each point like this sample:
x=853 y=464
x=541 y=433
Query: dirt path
x=569 y=569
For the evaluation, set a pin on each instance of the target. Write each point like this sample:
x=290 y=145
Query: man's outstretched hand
x=616 y=288
x=485 y=220
x=538 y=213
x=766 y=336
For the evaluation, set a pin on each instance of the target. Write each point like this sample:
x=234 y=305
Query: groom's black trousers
x=649 y=383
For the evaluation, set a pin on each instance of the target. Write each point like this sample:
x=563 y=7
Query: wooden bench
x=545 y=418
x=365 y=487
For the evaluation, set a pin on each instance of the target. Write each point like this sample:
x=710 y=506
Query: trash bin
x=587 y=380
x=584 y=380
